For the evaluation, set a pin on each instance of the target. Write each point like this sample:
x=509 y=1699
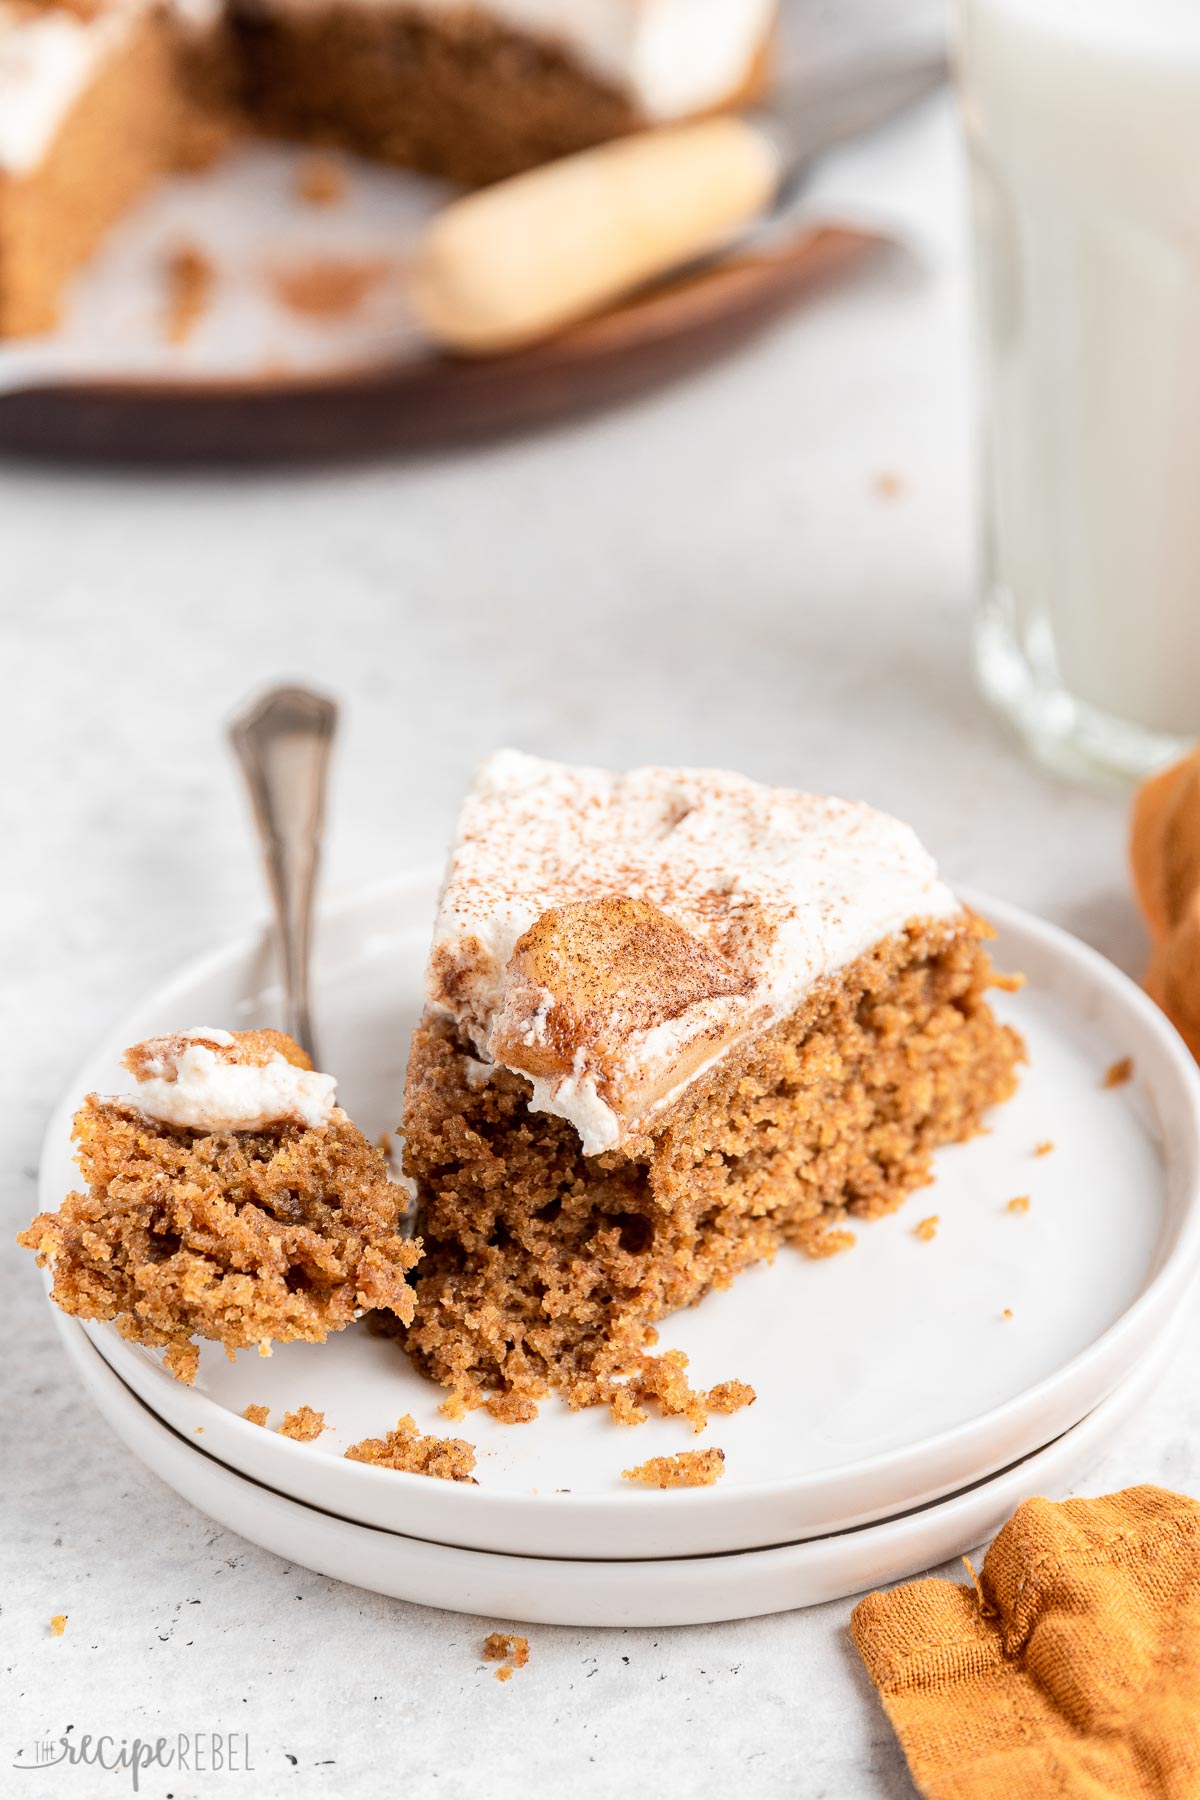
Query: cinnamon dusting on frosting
x=612 y=936
x=589 y=974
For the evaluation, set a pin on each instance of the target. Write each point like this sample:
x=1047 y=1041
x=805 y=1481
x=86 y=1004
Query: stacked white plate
x=910 y=1393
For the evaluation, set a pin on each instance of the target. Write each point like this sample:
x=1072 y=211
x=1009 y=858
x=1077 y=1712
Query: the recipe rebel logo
x=185 y=1752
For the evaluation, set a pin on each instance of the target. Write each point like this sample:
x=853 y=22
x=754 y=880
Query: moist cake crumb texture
x=303 y=1425
x=257 y=1415
x=659 y=1381
x=406 y=1450
x=689 y=1468
x=828 y=1243
x=248 y=1237
x=546 y=1265
x=730 y=1396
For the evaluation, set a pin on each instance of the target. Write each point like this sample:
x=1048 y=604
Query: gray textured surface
x=710 y=576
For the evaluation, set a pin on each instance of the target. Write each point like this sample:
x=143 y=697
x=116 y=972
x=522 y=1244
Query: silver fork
x=283 y=742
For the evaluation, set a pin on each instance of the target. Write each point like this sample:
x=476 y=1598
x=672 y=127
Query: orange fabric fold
x=1164 y=851
x=1072 y=1668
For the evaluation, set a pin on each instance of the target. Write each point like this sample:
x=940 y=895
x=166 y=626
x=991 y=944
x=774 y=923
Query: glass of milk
x=1083 y=126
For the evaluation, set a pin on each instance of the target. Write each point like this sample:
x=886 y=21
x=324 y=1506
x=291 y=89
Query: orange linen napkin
x=1072 y=1668
x=1165 y=853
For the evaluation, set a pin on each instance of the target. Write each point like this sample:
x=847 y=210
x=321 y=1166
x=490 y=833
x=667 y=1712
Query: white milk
x=1084 y=124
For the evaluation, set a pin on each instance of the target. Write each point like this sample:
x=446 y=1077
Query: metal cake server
x=282 y=743
x=506 y=267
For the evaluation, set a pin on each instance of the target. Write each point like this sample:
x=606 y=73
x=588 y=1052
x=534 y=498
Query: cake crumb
x=321 y=181
x=257 y=1415
x=408 y=1452
x=661 y=1381
x=926 y=1231
x=511 y=1409
x=327 y=287
x=1007 y=1313
x=1044 y=1147
x=1018 y=1204
x=1007 y=984
x=303 y=1425
x=189 y=279
x=453 y=1407
x=1119 y=1073
x=828 y=1243
x=58 y=1624
x=890 y=484
x=688 y=1468
x=180 y=1360
x=500 y=1645
x=730 y=1396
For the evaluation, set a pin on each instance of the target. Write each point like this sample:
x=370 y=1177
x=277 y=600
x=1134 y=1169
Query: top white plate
x=885 y=1377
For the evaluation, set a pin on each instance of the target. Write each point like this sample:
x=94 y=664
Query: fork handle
x=282 y=743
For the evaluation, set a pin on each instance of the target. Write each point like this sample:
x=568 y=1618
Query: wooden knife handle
x=514 y=263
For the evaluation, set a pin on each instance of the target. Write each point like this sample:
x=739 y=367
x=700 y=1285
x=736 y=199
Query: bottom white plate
x=886 y=1379
x=678 y=1591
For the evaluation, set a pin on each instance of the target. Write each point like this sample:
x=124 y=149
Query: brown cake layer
x=458 y=96
x=131 y=124
x=545 y=1268
x=246 y=1237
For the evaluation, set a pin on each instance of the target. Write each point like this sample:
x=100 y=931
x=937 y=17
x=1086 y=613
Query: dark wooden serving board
x=429 y=400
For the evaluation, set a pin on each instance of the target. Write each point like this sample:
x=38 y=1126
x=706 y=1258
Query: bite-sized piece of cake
x=675 y=1020
x=229 y=1197
x=410 y=1452
x=92 y=108
x=688 y=1468
x=478 y=89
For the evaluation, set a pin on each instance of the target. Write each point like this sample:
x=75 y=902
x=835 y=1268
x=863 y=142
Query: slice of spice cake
x=95 y=103
x=675 y=1020
x=229 y=1197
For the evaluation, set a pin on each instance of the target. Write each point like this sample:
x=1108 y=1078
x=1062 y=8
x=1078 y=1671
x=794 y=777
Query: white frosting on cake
x=191 y=1084
x=773 y=889
x=671 y=57
x=49 y=55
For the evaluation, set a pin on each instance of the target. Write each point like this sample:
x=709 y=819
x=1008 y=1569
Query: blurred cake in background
x=95 y=103
x=99 y=97
x=476 y=91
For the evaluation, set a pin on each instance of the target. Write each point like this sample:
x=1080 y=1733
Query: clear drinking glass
x=1083 y=127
